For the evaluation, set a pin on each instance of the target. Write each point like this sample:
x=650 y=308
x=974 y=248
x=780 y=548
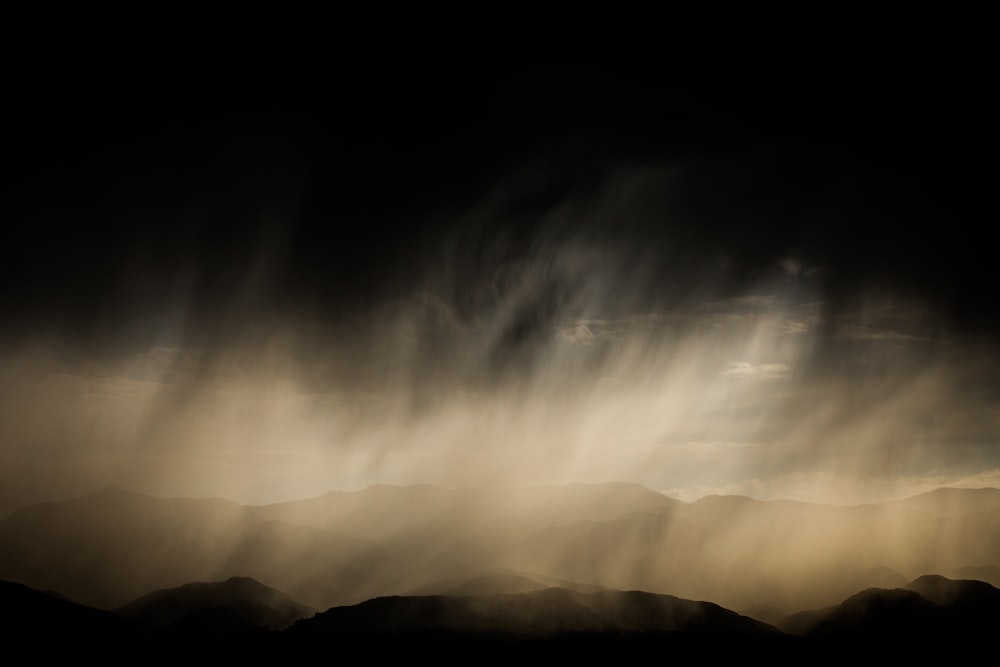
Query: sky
x=259 y=273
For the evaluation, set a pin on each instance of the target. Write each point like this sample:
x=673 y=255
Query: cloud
x=579 y=334
x=860 y=332
x=540 y=350
x=791 y=327
x=792 y=267
x=746 y=369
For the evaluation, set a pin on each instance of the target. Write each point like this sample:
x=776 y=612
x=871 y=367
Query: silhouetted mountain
x=972 y=607
x=547 y=613
x=237 y=604
x=40 y=621
x=875 y=612
x=932 y=616
x=241 y=624
x=748 y=554
x=128 y=544
x=110 y=547
x=951 y=593
x=988 y=573
x=553 y=623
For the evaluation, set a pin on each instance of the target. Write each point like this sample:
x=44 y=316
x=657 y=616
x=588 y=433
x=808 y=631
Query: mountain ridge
x=109 y=547
x=873 y=622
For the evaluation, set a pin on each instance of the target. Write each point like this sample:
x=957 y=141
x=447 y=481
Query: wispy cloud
x=860 y=332
x=794 y=327
x=580 y=334
x=746 y=369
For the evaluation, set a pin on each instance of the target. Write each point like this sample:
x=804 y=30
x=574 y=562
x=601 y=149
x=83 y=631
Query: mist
x=571 y=353
x=549 y=309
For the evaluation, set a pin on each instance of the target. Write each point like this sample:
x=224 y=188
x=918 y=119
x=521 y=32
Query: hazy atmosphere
x=491 y=263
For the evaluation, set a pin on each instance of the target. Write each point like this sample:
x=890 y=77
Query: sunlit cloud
x=566 y=353
x=745 y=369
x=580 y=334
x=793 y=327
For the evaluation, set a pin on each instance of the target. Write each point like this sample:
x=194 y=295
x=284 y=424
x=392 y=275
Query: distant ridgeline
x=574 y=565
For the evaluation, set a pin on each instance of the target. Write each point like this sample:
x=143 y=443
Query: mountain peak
x=944 y=591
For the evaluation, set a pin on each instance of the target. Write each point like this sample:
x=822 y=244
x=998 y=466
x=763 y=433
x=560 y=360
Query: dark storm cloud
x=383 y=251
x=237 y=186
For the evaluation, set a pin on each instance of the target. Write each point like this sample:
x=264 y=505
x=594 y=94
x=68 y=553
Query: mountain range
x=590 y=567
x=769 y=559
x=931 y=617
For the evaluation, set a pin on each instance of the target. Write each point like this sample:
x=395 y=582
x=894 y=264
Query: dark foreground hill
x=239 y=606
x=957 y=623
x=547 y=613
x=551 y=623
x=931 y=616
x=47 y=624
x=220 y=620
